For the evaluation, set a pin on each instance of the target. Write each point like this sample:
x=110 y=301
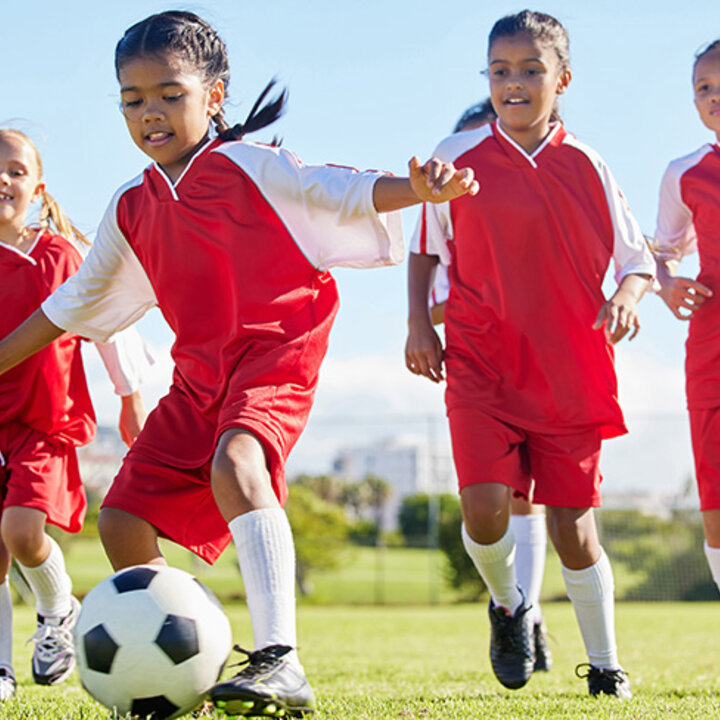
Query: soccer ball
x=151 y=640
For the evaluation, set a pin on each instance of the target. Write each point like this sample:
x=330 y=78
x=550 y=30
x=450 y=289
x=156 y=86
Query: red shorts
x=565 y=468
x=37 y=471
x=178 y=502
x=705 y=434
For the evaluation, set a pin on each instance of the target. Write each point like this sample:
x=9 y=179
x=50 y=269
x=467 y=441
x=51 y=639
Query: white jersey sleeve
x=126 y=359
x=434 y=228
x=110 y=291
x=328 y=210
x=631 y=251
x=675 y=232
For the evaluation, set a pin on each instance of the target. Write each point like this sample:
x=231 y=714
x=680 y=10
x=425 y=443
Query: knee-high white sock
x=6 y=627
x=496 y=566
x=50 y=583
x=713 y=557
x=530 y=533
x=591 y=591
x=266 y=553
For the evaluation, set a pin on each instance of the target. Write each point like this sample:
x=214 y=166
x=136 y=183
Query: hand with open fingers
x=618 y=317
x=437 y=181
x=423 y=353
x=684 y=296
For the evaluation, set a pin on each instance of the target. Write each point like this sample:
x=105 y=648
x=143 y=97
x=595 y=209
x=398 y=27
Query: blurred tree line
x=664 y=556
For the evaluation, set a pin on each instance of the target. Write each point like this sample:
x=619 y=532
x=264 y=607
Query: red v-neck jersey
x=235 y=254
x=689 y=221
x=527 y=257
x=48 y=391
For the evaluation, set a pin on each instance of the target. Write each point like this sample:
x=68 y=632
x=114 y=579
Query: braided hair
x=195 y=42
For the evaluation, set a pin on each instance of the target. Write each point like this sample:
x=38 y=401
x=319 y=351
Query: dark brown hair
x=193 y=41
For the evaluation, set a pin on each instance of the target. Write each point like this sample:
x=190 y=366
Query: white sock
x=591 y=591
x=266 y=553
x=713 y=557
x=495 y=563
x=6 y=627
x=530 y=533
x=50 y=583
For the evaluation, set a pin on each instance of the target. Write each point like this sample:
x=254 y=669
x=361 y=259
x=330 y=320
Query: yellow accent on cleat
x=270 y=709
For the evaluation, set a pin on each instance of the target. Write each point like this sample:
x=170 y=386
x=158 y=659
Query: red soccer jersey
x=689 y=220
x=235 y=253
x=527 y=257
x=47 y=391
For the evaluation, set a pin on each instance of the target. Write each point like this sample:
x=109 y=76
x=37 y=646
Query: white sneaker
x=54 y=656
x=8 y=686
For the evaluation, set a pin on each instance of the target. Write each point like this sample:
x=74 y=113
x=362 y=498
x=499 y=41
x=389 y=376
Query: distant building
x=409 y=464
x=100 y=460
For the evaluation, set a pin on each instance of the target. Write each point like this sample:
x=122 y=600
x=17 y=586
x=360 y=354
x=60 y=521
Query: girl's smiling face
x=167 y=108
x=525 y=79
x=20 y=182
x=706 y=84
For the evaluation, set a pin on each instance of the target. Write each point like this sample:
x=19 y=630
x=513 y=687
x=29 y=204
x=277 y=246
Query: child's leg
x=274 y=678
x=43 y=565
x=128 y=539
x=711 y=523
x=5 y=613
x=263 y=539
x=489 y=541
x=40 y=559
x=588 y=580
x=528 y=525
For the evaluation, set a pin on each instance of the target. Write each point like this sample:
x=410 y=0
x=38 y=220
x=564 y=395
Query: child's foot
x=270 y=686
x=543 y=656
x=603 y=681
x=54 y=656
x=8 y=686
x=511 y=645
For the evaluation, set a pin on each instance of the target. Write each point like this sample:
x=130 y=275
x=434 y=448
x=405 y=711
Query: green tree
x=320 y=530
x=414 y=515
x=461 y=573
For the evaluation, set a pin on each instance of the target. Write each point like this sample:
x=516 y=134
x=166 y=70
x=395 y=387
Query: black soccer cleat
x=605 y=682
x=511 y=645
x=268 y=687
x=543 y=656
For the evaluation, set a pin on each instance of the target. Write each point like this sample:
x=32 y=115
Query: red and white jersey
x=48 y=391
x=235 y=253
x=689 y=221
x=527 y=257
x=441 y=285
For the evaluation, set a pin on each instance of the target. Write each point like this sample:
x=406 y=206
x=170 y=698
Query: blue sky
x=370 y=85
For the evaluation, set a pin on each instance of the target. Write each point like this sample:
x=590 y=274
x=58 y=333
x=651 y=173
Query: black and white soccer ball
x=151 y=640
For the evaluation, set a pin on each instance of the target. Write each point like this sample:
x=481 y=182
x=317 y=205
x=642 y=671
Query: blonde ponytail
x=52 y=217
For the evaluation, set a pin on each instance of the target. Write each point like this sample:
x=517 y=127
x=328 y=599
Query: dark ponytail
x=259 y=117
x=195 y=42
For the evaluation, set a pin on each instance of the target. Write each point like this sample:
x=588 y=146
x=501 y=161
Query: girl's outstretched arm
x=435 y=181
x=423 y=349
x=33 y=335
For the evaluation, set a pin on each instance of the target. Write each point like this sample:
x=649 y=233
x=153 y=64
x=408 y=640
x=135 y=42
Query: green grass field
x=407 y=660
x=430 y=663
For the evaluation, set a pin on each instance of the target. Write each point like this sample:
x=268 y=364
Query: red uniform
x=235 y=253
x=689 y=221
x=527 y=257
x=45 y=408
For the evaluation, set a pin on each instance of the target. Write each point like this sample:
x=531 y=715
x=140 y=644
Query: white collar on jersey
x=530 y=158
x=174 y=185
x=25 y=255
